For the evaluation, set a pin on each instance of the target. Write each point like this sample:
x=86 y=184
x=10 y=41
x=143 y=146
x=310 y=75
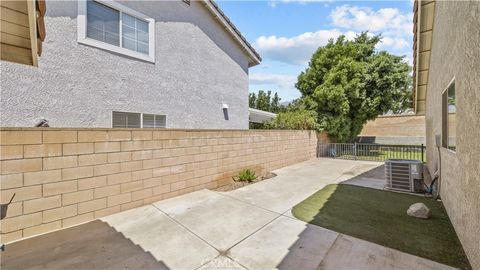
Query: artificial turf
x=380 y=217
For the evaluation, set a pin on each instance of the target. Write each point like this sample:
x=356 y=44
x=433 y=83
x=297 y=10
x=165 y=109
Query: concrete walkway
x=248 y=228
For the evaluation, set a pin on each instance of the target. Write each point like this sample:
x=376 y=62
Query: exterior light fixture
x=225 y=111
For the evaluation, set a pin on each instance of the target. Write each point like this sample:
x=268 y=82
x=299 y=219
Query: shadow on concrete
x=93 y=245
x=308 y=251
x=374 y=178
x=379 y=217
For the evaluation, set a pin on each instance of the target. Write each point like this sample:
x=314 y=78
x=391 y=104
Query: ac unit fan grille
x=398 y=176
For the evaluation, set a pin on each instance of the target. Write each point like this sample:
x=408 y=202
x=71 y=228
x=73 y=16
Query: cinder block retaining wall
x=64 y=177
x=396 y=129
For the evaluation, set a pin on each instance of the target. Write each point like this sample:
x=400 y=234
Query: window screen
x=102 y=23
x=134 y=34
x=154 y=121
x=126 y=120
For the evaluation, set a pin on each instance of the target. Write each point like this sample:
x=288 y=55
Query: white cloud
x=409 y=60
x=280 y=80
x=389 y=21
x=296 y=50
x=397 y=43
x=273 y=3
x=395 y=27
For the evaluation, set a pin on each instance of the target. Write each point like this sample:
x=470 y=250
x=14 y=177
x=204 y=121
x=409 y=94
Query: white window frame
x=141 y=118
x=446 y=115
x=82 y=30
x=154 y=117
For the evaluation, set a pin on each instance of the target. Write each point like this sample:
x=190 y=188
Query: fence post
x=355 y=149
x=422 y=152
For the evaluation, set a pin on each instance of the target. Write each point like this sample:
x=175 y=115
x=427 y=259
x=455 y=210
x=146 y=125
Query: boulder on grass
x=418 y=210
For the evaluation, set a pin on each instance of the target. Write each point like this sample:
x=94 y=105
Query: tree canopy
x=348 y=82
x=264 y=101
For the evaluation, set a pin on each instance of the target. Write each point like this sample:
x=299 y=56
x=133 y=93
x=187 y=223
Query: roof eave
x=22 y=42
x=424 y=13
x=254 y=57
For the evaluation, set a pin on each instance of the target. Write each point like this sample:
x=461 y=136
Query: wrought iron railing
x=371 y=151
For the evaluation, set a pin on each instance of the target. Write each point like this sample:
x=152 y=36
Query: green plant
x=298 y=120
x=246 y=175
x=349 y=82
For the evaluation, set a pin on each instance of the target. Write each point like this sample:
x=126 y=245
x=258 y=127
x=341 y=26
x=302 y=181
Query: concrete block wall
x=400 y=129
x=63 y=177
x=396 y=129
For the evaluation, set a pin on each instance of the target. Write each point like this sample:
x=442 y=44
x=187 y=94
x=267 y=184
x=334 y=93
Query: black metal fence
x=371 y=151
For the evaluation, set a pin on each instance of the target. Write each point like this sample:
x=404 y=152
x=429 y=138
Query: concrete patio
x=248 y=228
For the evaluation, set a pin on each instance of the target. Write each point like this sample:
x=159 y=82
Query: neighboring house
x=174 y=64
x=22 y=30
x=447 y=80
x=259 y=116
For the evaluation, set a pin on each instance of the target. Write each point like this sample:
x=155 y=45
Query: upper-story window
x=112 y=26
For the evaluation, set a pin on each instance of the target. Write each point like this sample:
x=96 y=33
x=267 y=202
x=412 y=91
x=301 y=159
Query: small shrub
x=246 y=175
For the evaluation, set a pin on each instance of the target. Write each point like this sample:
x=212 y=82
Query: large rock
x=419 y=210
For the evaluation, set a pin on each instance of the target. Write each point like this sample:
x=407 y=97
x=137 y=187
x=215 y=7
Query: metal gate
x=371 y=151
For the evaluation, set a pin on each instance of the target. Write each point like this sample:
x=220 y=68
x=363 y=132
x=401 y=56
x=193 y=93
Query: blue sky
x=287 y=32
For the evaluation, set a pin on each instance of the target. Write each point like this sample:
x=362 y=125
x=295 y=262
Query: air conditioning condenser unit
x=404 y=175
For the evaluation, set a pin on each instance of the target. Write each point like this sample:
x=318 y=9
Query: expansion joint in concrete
x=186 y=228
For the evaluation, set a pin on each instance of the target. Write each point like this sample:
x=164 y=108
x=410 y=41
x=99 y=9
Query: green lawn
x=380 y=216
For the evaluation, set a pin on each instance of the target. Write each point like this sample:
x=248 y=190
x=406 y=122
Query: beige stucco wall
x=456 y=54
x=63 y=177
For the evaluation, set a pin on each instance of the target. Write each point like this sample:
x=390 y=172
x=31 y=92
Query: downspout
x=438 y=144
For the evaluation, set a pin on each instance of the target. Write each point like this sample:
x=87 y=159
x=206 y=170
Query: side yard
x=248 y=228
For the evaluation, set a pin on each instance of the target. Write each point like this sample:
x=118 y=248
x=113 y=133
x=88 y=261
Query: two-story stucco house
x=174 y=64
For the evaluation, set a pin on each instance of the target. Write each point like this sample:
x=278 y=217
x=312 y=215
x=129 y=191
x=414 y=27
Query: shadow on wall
x=93 y=245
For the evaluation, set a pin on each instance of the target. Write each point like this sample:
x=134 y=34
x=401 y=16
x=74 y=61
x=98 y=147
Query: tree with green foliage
x=252 y=100
x=275 y=104
x=264 y=101
x=348 y=83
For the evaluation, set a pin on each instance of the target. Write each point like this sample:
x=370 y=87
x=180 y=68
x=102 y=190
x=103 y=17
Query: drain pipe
x=438 y=144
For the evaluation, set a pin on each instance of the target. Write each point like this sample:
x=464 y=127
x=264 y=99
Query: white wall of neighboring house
x=198 y=67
